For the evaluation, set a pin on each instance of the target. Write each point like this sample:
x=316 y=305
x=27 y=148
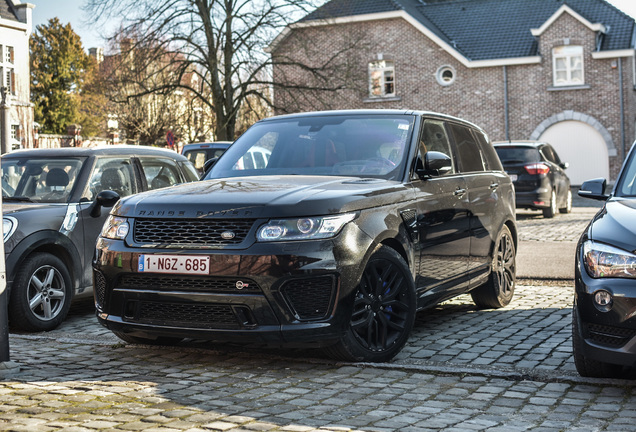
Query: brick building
x=15 y=29
x=556 y=70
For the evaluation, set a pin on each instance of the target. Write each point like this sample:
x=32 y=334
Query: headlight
x=9 y=226
x=309 y=228
x=115 y=228
x=602 y=261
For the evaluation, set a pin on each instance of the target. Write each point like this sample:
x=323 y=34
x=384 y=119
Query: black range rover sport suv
x=357 y=221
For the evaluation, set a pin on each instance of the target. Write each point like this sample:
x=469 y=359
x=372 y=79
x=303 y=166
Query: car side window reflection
x=468 y=152
x=488 y=152
x=114 y=174
x=159 y=172
x=435 y=138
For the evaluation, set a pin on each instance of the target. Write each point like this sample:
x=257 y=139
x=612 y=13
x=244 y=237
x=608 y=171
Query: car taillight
x=537 y=168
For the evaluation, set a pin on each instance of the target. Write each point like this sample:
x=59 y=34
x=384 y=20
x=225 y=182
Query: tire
x=41 y=294
x=383 y=313
x=161 y=340
x=552 y=210
x=498 y=291
x=585 y=366
x=568 y=203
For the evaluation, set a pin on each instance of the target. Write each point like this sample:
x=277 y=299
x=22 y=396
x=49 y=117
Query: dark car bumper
x=607 y=336
x=297 y=293
x=533 y=191
x=538 y=199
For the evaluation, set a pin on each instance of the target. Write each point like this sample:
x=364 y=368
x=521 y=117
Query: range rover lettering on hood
x=195 y=213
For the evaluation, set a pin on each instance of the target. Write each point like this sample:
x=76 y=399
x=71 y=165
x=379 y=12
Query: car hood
x=615 y=224
x=32 y=218
x=33 y=209
x=266 y=196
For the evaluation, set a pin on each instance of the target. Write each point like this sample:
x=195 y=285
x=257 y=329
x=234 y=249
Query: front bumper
x=607 y=336
x=294 y=293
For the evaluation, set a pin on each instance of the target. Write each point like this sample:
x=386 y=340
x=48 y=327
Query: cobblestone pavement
x=562 y=228
x=463 y=369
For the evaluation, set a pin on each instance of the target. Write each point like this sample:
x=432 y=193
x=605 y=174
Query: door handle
x=459 y=192
x=494 y=186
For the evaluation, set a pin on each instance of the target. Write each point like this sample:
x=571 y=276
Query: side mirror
x=435 y=164
x=106 y=198
x=207 y=166
x=594 y=189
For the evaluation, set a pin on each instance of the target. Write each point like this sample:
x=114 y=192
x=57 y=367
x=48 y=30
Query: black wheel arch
x=48 y=241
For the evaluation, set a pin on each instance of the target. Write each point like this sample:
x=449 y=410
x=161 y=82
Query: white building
x=16 y=25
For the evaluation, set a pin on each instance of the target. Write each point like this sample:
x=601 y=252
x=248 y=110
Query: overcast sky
x=70 y=11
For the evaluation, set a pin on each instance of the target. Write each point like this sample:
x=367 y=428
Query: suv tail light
x=537 y=168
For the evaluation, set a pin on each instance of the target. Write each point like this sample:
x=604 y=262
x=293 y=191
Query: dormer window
x=381 y=79
x=567 y=64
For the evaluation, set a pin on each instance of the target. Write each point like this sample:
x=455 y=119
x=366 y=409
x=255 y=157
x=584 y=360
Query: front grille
x=203 y=316
x=309 y=298
x=99 y=287
x=609 y=335
x=206 y=284
x=201 y=232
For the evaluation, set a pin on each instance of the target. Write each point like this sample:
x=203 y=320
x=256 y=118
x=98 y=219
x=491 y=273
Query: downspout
x=506 y=114
x=622 y=96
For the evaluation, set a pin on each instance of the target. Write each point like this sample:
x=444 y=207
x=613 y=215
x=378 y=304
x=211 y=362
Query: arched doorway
x=582 y=147
x=582 y=141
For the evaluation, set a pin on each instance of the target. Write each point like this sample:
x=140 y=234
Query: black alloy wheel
x=499 y=289
x=384 y=309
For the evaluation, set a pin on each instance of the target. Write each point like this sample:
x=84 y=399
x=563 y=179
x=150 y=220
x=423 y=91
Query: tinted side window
x=114 y=174
x=468 y=152
x=551 y=154
x=547 y=154
x=435 y=138
x=488 y=152
x=159 y=172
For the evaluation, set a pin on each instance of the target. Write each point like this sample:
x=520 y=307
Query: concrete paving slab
x=546 y=260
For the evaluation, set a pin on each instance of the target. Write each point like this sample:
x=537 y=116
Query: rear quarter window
x=490 y=155
x=468 y=152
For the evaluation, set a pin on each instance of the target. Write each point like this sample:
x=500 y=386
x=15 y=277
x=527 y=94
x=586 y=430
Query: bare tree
x=221 y=41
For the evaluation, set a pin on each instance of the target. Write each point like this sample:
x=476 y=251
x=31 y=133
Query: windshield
x=627 y=181
x=42 y=180
x=338 y=145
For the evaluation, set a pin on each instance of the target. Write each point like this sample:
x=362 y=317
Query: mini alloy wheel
x=41 y=294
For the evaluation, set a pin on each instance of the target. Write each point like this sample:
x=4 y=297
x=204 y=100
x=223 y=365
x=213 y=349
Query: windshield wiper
x=17 y=198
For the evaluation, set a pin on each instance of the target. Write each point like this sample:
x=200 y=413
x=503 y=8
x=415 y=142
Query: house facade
x=559 y=71
x=15 y=29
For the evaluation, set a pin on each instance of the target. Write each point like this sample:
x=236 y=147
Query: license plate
x=513 y=177
x=185 y=264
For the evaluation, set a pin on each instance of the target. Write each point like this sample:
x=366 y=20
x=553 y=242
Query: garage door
x=580 y=145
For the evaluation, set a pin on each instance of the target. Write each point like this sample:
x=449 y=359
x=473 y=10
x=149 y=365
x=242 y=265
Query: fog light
x=603 y=300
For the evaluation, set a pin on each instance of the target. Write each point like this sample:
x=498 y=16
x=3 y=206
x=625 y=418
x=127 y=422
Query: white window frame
x=381 y=79
x=568 y=66
x=7 y=69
